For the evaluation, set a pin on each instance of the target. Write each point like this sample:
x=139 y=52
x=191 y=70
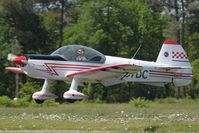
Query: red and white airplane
x=79 y=64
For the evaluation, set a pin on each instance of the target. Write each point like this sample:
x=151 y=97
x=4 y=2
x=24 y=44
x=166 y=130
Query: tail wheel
x=39 y=101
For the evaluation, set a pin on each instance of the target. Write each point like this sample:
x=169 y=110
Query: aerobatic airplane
x=77 y=64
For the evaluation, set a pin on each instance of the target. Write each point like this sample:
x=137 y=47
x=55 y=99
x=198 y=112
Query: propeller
x=18 y=60
x=11 y=57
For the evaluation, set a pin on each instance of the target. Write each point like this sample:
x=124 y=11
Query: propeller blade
x=11 y=57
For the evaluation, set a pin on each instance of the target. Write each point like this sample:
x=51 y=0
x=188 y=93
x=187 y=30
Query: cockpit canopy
x=80 y=53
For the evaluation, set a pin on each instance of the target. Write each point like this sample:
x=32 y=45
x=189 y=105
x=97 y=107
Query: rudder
x=173 y=54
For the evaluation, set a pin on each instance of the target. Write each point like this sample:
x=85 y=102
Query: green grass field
x=161 y=116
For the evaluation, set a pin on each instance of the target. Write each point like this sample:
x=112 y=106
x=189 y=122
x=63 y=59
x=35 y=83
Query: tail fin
x=172 y=54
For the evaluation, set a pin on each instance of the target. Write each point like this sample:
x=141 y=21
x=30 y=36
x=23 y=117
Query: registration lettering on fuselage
x=136 y=76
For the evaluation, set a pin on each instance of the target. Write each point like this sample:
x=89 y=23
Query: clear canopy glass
x=80 y=53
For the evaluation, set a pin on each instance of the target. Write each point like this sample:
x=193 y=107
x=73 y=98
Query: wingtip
x=15 y=69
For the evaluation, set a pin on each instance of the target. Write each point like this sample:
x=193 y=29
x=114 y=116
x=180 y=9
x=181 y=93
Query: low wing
x=15 y=69
x=103 y=72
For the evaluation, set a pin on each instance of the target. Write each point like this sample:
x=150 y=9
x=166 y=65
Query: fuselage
x=151 y=73
x=77 y=64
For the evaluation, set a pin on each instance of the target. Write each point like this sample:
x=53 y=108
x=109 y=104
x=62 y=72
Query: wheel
x=39 y=101
x=71 y=100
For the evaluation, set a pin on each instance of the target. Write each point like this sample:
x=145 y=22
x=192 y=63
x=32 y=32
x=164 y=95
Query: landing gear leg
x=74 y=84
x=44 y=94
x=72 y=93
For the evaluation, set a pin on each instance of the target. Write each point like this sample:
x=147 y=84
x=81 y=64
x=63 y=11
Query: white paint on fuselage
x=46 y=69
x=143 y=75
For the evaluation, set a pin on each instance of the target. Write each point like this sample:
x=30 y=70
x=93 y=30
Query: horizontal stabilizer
x=174 y=67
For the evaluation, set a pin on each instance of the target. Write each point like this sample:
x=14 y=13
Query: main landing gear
x=44 y=94
x=71 y=95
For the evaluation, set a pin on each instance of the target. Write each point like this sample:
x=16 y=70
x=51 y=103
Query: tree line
x=113 y=27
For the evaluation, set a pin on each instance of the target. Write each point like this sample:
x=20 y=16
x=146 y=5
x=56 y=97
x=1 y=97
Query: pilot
x=81 y=55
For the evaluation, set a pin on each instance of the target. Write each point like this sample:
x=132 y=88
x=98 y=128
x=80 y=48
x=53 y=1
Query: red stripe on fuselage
x=74 y=65
x=52 y=66
x=171 y=74
x=71 y=67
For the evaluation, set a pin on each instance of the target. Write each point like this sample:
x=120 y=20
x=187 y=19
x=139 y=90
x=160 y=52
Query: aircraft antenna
x=137 y=51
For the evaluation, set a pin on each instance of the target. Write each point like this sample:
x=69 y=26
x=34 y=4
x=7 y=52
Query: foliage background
x=112 y=27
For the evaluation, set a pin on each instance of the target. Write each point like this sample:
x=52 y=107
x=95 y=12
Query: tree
x=193 y=31
x=60 y=9
x=117 y=28
x=6 y=42
x=192 y=41
x=28 y=30
x=21 y=31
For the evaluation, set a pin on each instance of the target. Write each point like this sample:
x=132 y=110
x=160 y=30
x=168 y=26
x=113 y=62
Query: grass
x=159 y=116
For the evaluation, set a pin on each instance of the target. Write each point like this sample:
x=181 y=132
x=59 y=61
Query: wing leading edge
x=108 y=71
x=15 y=69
